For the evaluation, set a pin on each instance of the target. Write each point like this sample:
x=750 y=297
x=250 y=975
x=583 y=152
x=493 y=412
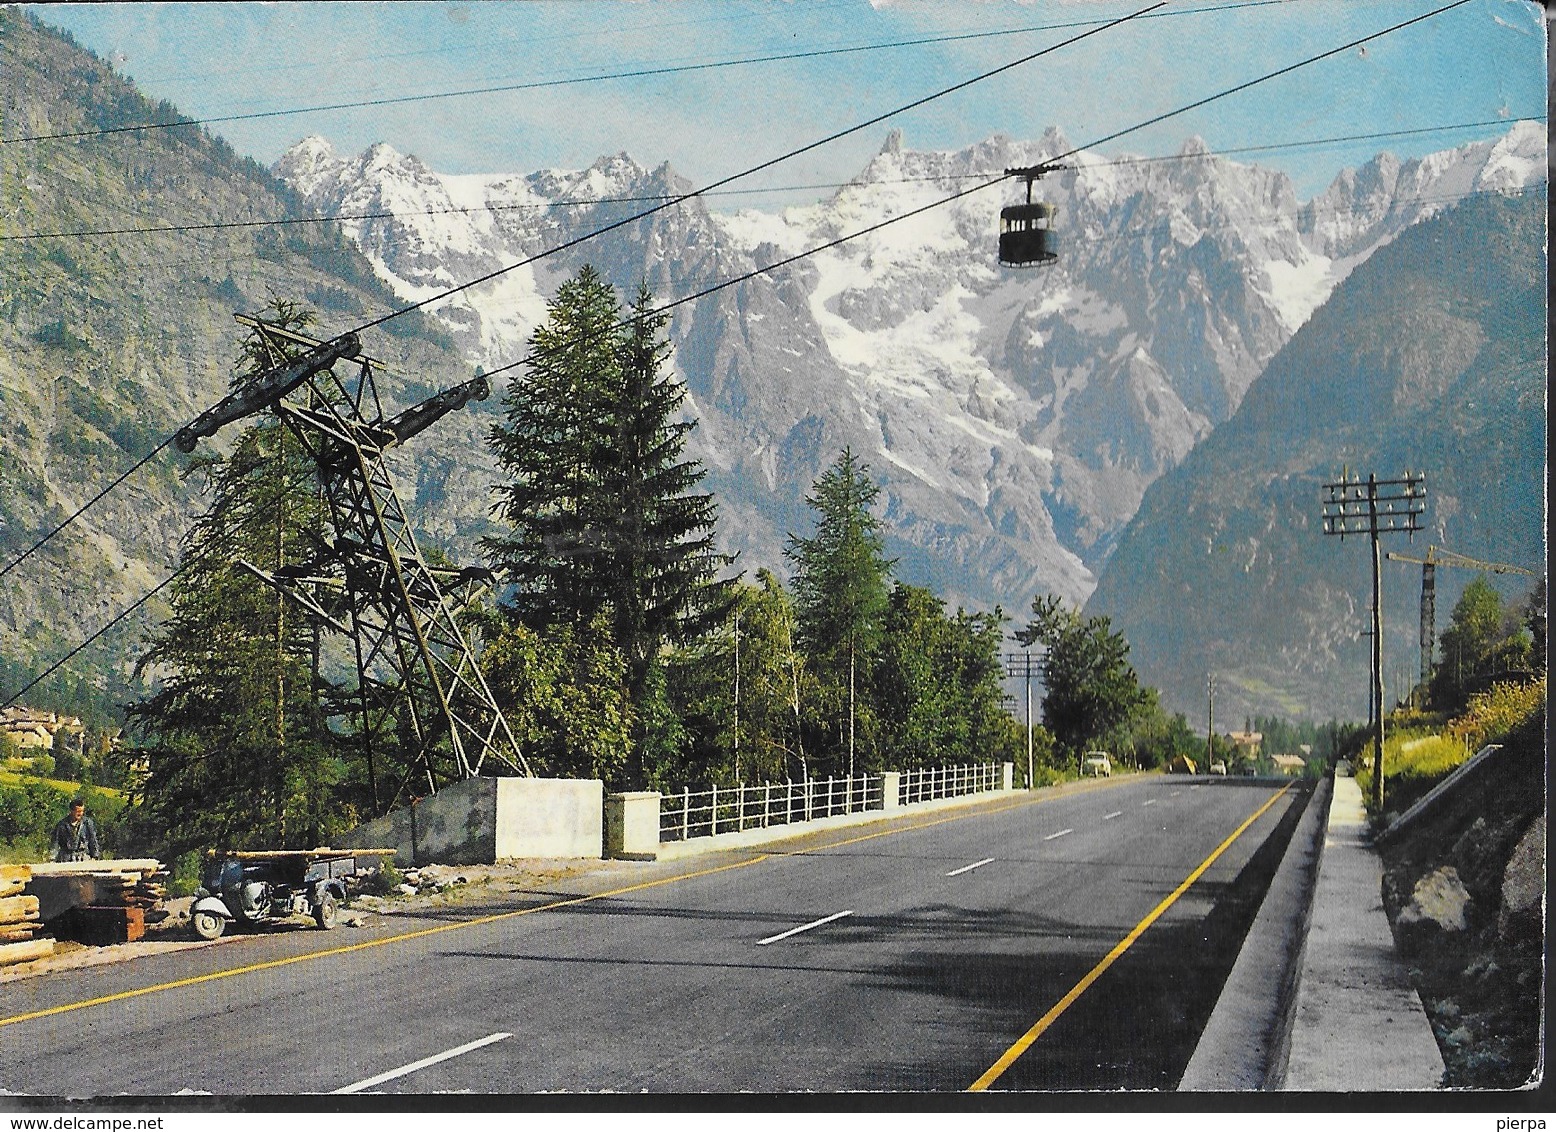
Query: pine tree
x=656 y=533
x=840 y=595
x=237 y=746
x=551 y=447
x=604 y=511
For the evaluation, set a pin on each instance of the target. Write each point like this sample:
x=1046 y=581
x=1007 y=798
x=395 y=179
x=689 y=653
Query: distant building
x=37 y=730
x=1248 y=743
x=1290 y=765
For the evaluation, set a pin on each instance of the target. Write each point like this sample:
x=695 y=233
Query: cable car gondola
x=1027 y=238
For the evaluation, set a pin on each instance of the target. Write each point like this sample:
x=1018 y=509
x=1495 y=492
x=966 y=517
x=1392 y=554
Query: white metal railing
x=932 y=782
x=731 y=809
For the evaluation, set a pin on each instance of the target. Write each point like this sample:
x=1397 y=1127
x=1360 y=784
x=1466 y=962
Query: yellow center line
x=271 y=964
x=1022 y=1044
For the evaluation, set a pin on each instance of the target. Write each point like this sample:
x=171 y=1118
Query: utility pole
x=1210 y=721
x=1020 y=664
x=736 y=731
x=1374 y=507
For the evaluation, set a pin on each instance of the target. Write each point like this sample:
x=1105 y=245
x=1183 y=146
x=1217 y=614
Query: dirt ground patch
x=431 y=887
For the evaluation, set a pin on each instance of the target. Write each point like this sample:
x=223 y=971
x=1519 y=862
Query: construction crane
x=1437 y=556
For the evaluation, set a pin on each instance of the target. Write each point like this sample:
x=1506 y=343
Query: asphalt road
x=912 y=955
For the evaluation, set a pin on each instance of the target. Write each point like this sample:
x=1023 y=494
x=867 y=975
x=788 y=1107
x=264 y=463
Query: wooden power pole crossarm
x=1373 y=507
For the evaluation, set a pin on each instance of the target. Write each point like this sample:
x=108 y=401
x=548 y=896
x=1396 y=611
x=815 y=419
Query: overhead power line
x=906 y=215
x=628 y=220
x=1240 y=87
x=212 y=548
x=495 y=208
x=768 y=164
x=101 y=632
x=79 y=511
x=647 y=72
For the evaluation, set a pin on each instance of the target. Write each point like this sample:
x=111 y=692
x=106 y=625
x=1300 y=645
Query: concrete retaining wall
x=484 y=820
x=550 y=817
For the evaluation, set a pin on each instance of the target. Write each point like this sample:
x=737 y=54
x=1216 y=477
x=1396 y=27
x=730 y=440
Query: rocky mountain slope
x=1015 y=418
x=1430 y=357
x=110 y=342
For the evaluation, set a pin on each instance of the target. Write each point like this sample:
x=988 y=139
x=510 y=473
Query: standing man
x=75 y=837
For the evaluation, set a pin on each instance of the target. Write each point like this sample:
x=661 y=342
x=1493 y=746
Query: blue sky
x=1480 y=62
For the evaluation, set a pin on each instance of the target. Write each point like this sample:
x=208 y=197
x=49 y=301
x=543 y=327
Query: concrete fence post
x=1008 y=778
x=632 y=826
x=890 y=785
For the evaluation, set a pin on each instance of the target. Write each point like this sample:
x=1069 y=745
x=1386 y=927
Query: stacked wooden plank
x=20 y=923
x=101 y=902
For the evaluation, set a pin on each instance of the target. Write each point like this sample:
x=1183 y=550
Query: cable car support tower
x=419 y=686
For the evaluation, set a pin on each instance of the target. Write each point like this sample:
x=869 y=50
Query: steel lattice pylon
x=416 y=670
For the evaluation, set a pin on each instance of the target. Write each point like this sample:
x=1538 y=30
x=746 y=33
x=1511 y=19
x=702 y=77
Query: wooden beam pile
x=19 y=920
x=101 y=902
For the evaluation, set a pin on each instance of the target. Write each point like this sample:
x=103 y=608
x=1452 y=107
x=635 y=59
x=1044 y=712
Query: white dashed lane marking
x=969 y=868
x=369 y=1082
x=804 y=927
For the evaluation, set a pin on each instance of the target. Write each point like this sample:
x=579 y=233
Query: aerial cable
x=683 y=197
x=652 y=72
x=79 y=511
x=73 y=653
x=1264 y=78
x=492 y=208
x=456 y=49
x=990 y=183
x=537 y=354
x=1540 y=117
x=873 y=228
x=670 y=203
x=211 y=548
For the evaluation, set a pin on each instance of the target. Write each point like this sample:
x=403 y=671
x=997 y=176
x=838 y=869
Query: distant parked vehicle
x=1218 y=767
x=1097 y=764
x=1181 y=764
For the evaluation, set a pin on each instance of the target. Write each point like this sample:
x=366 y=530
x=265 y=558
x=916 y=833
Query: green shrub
x=1042 y=775
x=1491 y=715
x=1417 y=756
x=184 y=873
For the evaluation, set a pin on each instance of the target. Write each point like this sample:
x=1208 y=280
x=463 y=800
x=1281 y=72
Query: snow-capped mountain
x=1014 y=418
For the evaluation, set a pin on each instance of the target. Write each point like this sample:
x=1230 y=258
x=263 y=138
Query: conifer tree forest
x=618 y=641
